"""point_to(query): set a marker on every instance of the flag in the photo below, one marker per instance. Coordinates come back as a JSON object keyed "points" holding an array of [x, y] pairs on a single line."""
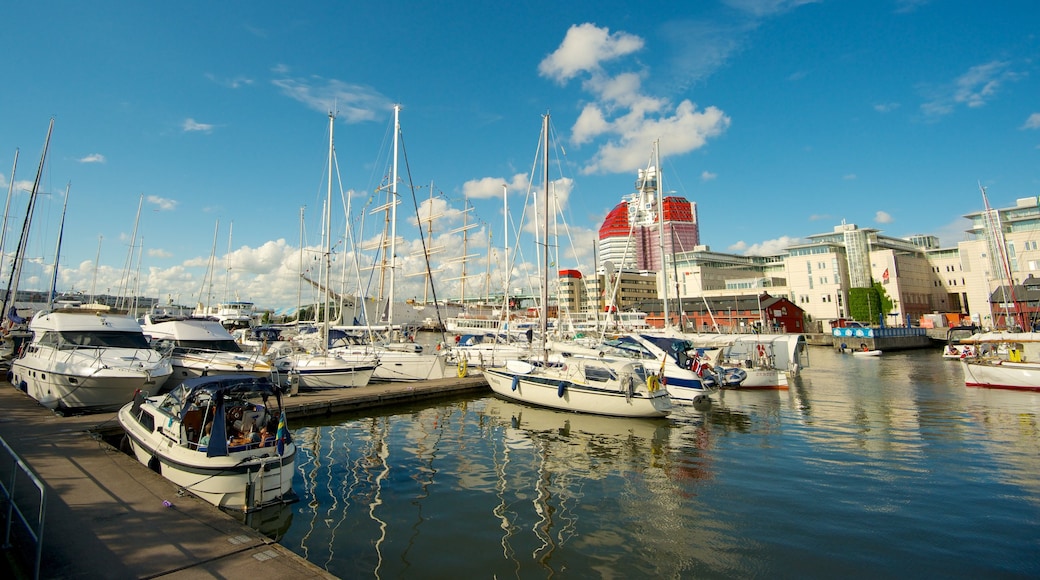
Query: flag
{"points": [[282, 435], [884, 277]]}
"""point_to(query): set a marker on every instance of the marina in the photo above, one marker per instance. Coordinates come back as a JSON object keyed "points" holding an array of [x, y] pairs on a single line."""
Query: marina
{"points": [[863, 467]]}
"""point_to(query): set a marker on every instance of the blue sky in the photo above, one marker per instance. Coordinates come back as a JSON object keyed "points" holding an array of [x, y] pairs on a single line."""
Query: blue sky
{"points": [[780, 118]]}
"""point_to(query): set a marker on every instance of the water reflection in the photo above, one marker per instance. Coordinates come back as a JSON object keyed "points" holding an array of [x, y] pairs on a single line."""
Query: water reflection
{"points": [[878, 466]]}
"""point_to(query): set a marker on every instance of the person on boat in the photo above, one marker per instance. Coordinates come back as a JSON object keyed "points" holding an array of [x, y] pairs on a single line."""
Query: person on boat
{"points": [[843, 347], [204, 440], [863, 346]]}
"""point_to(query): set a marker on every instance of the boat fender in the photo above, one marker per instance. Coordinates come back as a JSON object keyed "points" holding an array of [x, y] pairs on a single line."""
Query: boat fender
{"points": [[653, 383], [561, 389], [463, 371], [516, 381], [23, 386]]}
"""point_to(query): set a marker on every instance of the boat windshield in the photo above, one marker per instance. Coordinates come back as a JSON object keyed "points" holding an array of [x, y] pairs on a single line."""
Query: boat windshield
{"points": [[70, 339], [220, 345]]}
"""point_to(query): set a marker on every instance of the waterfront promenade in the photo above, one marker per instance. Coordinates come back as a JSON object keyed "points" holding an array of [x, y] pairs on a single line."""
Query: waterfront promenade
{"points": [[106, 514]]}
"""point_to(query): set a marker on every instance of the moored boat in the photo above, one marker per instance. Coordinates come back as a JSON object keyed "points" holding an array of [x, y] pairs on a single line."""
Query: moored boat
{"points": [[87, 360], [1003, 360], [597, 385], [223, 438], [198, 347]]}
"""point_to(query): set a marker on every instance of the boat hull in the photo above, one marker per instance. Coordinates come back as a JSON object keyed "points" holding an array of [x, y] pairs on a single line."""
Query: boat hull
{"points": [[545, 391], [1021, 376], [249, 479], [83, 382]]}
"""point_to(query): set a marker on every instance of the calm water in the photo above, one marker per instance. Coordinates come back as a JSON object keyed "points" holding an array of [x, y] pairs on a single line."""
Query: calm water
{"points": [[863, 468]]}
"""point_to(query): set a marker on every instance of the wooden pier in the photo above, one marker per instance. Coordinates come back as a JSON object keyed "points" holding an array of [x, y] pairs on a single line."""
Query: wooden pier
{"points": [[109, 516]]}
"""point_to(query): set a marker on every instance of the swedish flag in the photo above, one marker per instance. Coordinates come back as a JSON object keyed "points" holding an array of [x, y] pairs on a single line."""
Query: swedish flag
{"points": [[282, 435]]}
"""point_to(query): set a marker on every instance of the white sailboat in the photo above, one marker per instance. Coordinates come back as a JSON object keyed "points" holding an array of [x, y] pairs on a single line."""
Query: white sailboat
{"points": [[318, 367], [572, 380], [399, 360]]}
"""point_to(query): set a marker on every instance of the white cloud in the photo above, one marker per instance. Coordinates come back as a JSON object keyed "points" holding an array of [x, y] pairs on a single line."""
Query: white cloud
{"points": [[491, 187], [161, 203], [766, 248], [886, 107], [591, 123], [760, 8], [883, 217], [354, 103], [685, 130], [819, 216], [93, 158], [190, 125], [621, 113], [584, 48], [1033, 122], [231, 83], [972, 89], [849, 177], [708, 176], [159, 253]]}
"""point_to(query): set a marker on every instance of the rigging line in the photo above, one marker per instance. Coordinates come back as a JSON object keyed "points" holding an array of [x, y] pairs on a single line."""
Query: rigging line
{"points": [[422, 238]]}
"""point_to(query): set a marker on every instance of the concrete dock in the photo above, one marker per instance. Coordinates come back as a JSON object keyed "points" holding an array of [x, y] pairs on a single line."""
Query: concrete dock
{"points": [[106, 514]]}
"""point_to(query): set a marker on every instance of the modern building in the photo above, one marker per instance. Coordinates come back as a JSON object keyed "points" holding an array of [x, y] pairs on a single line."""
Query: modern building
{"points": [[632, 238]]}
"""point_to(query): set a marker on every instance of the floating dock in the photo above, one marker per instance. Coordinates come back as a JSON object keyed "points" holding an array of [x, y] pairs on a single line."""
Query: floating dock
{"points": [[107, 515]]}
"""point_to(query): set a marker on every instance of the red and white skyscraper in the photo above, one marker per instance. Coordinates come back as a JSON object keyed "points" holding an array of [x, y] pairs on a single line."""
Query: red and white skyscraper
{"points": [[630, 238]]}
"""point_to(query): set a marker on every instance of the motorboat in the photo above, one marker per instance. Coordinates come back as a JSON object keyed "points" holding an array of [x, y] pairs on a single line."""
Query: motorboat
{"points": [[587, 384], [87, 360], [955, 348], [222, 438], [198, 347]]}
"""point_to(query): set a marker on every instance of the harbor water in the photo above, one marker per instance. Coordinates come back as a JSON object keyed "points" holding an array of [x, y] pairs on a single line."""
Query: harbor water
{"points": [[865, 467]]}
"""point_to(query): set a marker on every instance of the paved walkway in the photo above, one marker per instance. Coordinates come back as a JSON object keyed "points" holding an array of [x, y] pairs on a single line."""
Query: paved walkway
{"points": [[106, 516]]}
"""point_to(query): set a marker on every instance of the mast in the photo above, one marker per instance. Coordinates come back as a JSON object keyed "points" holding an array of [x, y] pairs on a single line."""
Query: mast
{"points": [[93, 279], [122, 301], [393, 214], [543, 320], [660, 228], [57, 250], [993, 217], [505, 240], [203, 310], [7, 208], [10, 299], [328, 237]]}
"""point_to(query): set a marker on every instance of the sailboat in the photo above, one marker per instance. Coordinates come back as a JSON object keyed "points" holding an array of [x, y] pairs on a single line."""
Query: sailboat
{"points": [[399, 360], [317, 367], [573, 380], [1007, 359]]}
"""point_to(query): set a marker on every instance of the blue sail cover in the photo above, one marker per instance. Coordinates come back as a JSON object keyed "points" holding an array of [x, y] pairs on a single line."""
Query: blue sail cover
{"points": [[12, 315]]}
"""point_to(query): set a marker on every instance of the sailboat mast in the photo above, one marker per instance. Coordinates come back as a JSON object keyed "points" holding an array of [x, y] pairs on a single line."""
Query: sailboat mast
{"points": [[7, 208], [1005, 264], [328, 236], [660, 229], [123, 300], [57, 249], [10, 299], [393, 220], [543, 316], [505, 240]]}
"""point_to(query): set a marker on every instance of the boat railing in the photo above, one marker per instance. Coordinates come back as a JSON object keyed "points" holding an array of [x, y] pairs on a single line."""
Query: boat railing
{"points": [[22, 505], [102, 356]]}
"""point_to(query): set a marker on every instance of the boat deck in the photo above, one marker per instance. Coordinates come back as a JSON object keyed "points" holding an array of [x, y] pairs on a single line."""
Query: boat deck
{"points": [[106, 513]]}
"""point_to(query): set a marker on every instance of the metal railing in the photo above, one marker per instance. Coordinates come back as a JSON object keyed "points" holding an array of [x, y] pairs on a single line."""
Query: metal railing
{"points": [[22, 503]]}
